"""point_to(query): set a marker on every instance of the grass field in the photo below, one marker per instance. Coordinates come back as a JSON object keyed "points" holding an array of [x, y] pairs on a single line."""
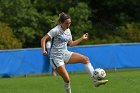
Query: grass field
{"points": [[119, 82]]}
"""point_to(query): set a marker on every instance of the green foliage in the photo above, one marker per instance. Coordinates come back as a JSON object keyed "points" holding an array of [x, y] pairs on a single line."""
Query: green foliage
{"points": [[116, 11], [123, 34], [28, 24], [106, 21], [21, 16], [130, 32], [80, 22], [7, 39]]}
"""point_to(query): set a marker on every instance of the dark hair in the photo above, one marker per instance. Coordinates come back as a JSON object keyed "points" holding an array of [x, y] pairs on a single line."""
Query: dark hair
{"points": [[63, 17]]}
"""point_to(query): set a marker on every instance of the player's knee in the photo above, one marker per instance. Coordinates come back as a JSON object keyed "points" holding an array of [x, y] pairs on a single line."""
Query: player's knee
{"points": [[86, 60]]}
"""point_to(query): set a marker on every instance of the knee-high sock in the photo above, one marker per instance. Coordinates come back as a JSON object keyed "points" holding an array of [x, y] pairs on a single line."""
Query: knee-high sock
{"points": [[89, 69], [67, 87]]}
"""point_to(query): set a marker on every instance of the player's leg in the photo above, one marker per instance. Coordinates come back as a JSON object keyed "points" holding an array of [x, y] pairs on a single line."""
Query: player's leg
{"points": [[78, 58], [59, 66], [54, 72], [64, 74]]}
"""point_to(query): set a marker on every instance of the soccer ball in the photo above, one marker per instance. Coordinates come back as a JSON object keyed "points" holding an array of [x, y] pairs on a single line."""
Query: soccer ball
{"points": [[99, 74]]}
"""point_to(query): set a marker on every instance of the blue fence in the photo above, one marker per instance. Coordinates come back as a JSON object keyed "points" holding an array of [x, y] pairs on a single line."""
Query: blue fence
{"points": [[30, 61]]}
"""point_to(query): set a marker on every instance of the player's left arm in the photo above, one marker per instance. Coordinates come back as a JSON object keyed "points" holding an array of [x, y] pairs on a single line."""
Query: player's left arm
{"points": [[76, 42]]}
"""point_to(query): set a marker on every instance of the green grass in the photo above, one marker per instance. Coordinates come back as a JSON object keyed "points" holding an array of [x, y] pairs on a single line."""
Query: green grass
{"points": [[119, 82]]}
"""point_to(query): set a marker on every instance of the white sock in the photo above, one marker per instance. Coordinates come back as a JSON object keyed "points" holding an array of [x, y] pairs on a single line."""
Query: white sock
{"points": [[67, 87], [89, 69]]}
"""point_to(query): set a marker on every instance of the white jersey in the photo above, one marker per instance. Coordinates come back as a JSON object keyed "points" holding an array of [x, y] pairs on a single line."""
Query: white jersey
{"points": [[48, 46], [59, 41]]}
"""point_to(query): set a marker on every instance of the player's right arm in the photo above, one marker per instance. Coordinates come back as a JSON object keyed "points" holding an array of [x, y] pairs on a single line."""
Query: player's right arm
{"points": [[52, 33], [43, 43]]}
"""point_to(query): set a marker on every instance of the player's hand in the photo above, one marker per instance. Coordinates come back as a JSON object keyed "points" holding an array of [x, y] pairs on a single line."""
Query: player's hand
{"points": [[45, 53], [85, 36]]}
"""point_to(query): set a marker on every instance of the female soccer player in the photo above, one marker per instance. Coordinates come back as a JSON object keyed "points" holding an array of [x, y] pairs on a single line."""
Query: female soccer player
{"points": [[59, 55]]}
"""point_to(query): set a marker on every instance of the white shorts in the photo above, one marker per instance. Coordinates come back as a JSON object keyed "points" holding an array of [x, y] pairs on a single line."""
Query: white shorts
{"points": [[57, 62]]}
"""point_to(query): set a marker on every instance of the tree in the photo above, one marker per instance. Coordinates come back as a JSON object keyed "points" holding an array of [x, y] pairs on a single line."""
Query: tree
{"points": [[7, 38], [27, 22], [130, 32], [31, 19], [80, 19]]}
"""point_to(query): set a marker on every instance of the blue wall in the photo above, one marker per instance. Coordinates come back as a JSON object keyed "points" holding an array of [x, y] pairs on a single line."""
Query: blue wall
{"points": [[29, 61]]}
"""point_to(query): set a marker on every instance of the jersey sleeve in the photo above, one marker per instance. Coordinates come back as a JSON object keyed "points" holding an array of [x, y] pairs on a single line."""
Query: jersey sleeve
{"points": [[70, 36], [52, 33]]}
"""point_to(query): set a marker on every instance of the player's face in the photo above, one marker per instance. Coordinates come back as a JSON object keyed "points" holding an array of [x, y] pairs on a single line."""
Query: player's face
{"points": [[66, 24]]}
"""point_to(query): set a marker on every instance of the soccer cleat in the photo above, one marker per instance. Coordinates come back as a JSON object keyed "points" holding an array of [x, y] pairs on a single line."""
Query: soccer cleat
{"points": [[97, 83]]}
